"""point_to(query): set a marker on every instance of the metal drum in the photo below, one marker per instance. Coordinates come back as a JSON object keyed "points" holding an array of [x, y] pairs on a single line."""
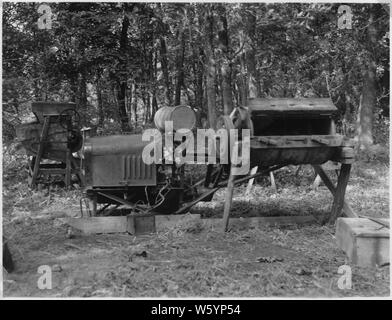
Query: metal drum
{"points": [[183, 117]]}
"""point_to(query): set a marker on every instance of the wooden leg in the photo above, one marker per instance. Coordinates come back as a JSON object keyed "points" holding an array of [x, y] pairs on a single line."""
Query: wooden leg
{"points": [[298, 170], [68, 169], [40, 151], [228, 201], [349, 212], [207, 180], [316, 182], [31, 163], [93, 204], [273, 184], [338, 200], [251, 181], [78, 170]]}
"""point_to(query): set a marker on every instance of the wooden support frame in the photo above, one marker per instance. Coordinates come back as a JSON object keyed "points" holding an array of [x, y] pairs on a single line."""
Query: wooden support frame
{"points": [[230, 189], [93, 203], [228, 200], [42, 140], [338, 201], [338, 192], [273, 183], [251, 181], [348, 211], [68, 169]]}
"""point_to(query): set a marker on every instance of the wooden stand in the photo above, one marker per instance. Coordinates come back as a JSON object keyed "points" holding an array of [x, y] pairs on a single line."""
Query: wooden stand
{"points": [[338, 192], [251, 181], [41, 169]]}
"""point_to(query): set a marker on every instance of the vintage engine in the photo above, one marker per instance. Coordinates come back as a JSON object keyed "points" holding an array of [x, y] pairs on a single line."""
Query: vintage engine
{"points": [[115, 173], [283, 132]]}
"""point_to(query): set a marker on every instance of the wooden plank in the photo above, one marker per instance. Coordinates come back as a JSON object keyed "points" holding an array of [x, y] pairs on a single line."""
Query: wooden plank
{"points": [[316, 182], [164, 222], [99, 224], [40, 150], [273, 184], [294, 105], [141, 224], [261, 221], [349, 212], [68, 169], [364, 241], [228, 201], [132, 224], [251, 181], [338, 201]]}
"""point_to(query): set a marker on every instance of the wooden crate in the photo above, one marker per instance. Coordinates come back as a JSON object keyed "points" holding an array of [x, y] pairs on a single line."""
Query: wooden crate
{"points": [[365, 242]]}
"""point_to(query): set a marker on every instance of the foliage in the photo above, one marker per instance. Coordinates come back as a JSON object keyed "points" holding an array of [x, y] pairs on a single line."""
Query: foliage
{"points": [[124, 60]]}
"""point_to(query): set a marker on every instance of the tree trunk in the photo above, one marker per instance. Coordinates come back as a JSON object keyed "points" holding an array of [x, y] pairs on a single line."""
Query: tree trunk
{"points": [[121, 94], [101, 114], [210, 70], [82, 93], [254, 88], [369, 91], [154, 106], [199, 82], [366, 107], [227, 96], [165, 71], [154, 102], [134, 103], [242, 82], [180, 69], [122, 82]]}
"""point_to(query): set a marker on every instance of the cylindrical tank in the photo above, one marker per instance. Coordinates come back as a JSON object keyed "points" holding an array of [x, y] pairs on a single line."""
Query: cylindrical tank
{"points": [[183, 117]]}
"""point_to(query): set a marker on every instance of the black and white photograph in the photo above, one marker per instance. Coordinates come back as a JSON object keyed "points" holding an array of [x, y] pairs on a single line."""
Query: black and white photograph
{"points": [[192, 150]]}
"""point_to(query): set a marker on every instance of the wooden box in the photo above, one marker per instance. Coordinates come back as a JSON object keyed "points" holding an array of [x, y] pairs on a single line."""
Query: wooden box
{"points": [[365, 242]]}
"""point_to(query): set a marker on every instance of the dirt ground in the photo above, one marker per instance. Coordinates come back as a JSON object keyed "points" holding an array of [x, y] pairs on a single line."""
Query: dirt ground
{"points": [[194, 260]]}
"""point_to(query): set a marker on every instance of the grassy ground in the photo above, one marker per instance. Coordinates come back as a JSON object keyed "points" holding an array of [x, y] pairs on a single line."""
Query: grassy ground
{"points": [[194, 260]]}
